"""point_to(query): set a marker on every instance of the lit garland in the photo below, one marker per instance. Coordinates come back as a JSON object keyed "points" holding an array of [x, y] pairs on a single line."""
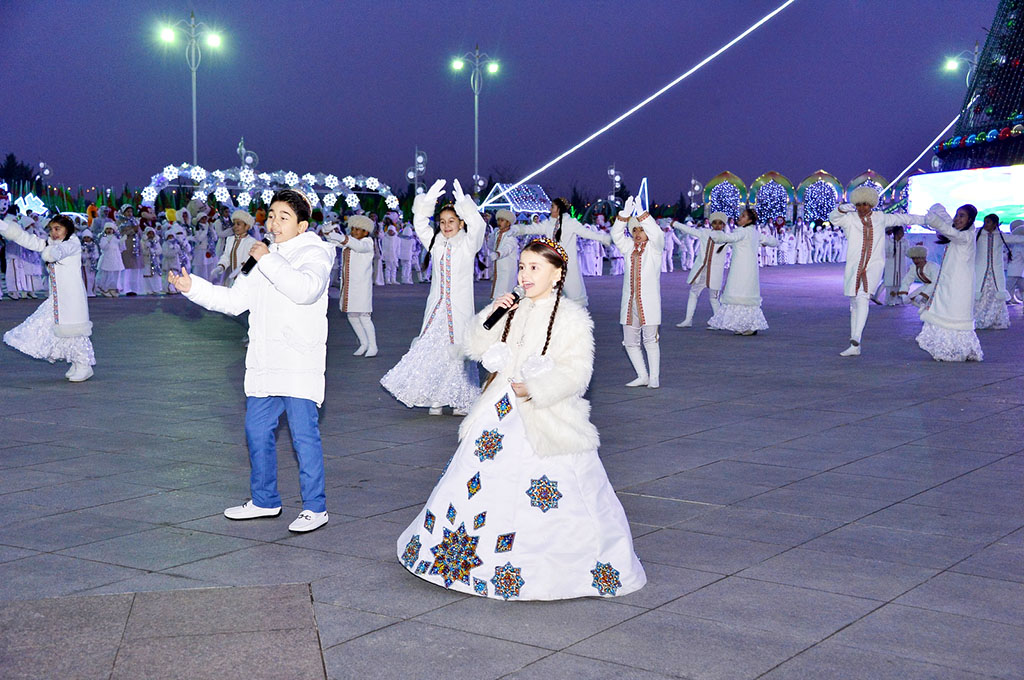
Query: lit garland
{"points": [[725, 198], [772, 199], [820, 199]]}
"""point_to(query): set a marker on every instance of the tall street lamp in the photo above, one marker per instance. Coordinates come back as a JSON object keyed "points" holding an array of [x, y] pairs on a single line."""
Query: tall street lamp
{"points": [[952, 64], [193, 55], [418, 169], [478, 62]]}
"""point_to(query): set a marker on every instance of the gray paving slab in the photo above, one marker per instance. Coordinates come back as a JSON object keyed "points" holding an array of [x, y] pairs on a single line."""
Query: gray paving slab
{"points": [[69, 529], [832, 660], [341, 624], [759, 525], [563, 665], [46, 575], [995, 561], [704, 552], [897, 545]]}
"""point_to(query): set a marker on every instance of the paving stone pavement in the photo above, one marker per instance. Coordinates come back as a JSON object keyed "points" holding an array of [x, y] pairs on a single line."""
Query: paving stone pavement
{"points": [[800, 515]]}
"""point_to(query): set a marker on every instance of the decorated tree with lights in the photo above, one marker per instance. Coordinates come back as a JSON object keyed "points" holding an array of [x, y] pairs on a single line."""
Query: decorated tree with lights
{"points": [[725, 198], [771, 201], [991, 127], [820, 200]]}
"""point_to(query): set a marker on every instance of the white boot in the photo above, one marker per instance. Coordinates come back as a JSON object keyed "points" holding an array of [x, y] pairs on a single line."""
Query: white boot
{"points": [[71, 369], [852, 351], [654, 364], [357, 326], [80, 372], [636, 357], [370, 333]]}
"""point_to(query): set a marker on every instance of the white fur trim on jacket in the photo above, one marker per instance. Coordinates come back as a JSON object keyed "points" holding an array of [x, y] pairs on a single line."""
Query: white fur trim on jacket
{"points": [[556, 416]]}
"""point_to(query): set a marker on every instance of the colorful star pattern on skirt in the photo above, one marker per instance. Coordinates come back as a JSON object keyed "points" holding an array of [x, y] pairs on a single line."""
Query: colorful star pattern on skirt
{"points": [[504, 542], [503, 407], [488, 444], [479, 520], [543, 493], [455, 555], [428, 521], [412, 552], [480, 586], [451, 514], [422, 567], [507, 581], [473, 485], [446, 467], [606, 579]]}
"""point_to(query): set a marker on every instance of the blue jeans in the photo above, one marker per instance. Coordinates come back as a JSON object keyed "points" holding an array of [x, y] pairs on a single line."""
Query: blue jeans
{"points": [[261, 417]]}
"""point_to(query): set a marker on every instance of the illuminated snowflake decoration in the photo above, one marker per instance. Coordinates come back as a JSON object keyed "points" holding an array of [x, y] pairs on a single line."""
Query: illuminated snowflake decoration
{"points": [[772, 199], [488, 444], [606, 579], [222, 195], [267, 195], [820, 199], [243, 199], [246, 176], [330, 200], [198, 174], [455, 556], [265, 176], [331, 182], [291, 179], [352, 201], [349, 181], [412, 552], [199, 195], [508, 581], [309, 178], [372, 183], [149, 195], [544, 494], [725, 198], [218, 175], [392, 202], [171, 173]]}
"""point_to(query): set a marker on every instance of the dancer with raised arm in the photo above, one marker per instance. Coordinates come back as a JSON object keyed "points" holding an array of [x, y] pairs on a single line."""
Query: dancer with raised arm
{"points": [[708, 265], [740, 308]]}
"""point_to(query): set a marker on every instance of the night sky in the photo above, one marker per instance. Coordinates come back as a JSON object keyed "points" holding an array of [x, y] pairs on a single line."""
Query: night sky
{"points": [[352, 87]]}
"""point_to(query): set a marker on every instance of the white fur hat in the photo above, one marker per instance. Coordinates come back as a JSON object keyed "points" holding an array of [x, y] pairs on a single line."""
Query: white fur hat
{"points": [[504, 214], [864, 194], [721, 216], [84, 233], [917, 251], [1015, 225], [360, 222], [242, 215]]}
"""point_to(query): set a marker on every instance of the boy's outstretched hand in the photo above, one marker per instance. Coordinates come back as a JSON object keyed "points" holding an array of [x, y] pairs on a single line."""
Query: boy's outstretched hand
{"points": [[182, 282]]}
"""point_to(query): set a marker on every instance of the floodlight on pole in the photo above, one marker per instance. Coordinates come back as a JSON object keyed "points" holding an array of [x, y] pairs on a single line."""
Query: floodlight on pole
{"points": [[479, 62]]}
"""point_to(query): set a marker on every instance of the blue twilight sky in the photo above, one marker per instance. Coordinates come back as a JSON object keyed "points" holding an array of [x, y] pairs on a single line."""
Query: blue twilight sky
{"points": [[352, 87]]}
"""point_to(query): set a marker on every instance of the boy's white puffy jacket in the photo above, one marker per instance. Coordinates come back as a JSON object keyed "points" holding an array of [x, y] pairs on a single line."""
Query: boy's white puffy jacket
{"points": [[286, 296]]}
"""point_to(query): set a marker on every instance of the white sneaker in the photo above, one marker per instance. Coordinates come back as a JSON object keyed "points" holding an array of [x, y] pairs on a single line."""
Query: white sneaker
{"points": [[80, 372], [460, 412], [851, 351], [638, 382], [71, 369], [249, 510], [435, 410], [308, 520], [684, 324]]}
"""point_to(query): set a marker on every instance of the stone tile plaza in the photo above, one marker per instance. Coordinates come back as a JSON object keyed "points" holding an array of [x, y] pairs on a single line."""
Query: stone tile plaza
{"points": [[799, 515]]}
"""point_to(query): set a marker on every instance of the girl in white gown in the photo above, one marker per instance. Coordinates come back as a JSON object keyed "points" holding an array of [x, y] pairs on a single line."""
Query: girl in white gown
{"points": [[434, 372], [740, 308], [524, 509]]}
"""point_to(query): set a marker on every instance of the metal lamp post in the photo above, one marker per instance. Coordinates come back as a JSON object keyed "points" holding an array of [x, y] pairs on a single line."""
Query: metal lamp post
{"points": [[478, 62], [193, 55], [415, 173]]}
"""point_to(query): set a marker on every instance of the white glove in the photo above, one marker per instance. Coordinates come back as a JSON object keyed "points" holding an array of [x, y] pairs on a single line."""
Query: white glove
{"points": [[424, 204], [465, 206], [628, 208]]}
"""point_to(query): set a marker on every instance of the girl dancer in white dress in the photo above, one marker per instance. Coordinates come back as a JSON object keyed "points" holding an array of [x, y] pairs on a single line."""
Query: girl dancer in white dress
{"points": [[524, 509], [433, 372], [60, 328], [948, 331], [564, 228], [640, 309], [356, 298], [990, 294], [740, 309]]}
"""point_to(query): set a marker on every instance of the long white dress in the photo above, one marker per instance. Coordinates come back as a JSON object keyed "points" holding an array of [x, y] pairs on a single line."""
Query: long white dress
{"points": [[506, 522], [433, 371], [571, 231], [990, 293], [948, 331], [740, 311]]}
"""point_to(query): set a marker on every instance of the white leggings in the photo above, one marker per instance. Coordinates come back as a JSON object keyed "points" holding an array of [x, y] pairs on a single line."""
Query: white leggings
{"points": [[632, 335], [858, 315]]}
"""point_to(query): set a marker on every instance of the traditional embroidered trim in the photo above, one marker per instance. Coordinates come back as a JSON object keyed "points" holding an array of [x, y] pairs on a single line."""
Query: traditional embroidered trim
{"points": [[344, 279]]}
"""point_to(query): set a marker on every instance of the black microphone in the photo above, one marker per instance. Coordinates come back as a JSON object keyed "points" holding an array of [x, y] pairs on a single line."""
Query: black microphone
{"points": [[495, 317], [251, 262]]}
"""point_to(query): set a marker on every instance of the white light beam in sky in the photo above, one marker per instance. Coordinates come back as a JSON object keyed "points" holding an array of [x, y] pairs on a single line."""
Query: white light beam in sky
{"points": [[642, 104]]}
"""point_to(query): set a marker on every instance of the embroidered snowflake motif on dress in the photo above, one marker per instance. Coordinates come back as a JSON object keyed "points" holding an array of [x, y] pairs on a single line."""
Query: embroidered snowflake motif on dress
{"points": [[488, 444], [507, 581], [606, 579], [473, 485], [544, 493], [480, 586], [428, 521], [479, 520], [451, 514], [422, 567], [455, 555], [412, 551], [503, 407], [504, 542]]}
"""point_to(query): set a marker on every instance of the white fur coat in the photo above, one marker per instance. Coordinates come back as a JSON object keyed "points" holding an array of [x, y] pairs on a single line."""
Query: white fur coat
{"points": [[556, 416]]}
